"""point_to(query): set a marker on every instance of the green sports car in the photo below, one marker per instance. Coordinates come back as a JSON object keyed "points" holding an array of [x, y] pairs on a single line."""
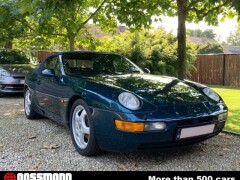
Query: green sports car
{"points": [[109, 103]]}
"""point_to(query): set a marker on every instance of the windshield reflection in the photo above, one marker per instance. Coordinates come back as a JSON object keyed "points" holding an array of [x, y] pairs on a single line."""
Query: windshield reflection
{"points": [[106, 64], [159, 90]]}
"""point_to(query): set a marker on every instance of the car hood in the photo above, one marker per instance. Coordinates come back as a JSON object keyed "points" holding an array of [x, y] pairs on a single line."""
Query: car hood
{"points": [[18, 69], [159, 90]]}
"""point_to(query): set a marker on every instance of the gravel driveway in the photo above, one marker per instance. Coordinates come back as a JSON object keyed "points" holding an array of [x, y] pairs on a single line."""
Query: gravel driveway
{"points": [[33, 145]]}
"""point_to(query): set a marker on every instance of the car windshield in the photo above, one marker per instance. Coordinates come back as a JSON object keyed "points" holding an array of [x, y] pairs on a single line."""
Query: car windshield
{"points": [[87, 64]]}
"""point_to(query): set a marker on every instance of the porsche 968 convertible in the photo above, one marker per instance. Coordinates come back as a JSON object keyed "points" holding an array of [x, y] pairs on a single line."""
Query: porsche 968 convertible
{"points": [[109, 103]]}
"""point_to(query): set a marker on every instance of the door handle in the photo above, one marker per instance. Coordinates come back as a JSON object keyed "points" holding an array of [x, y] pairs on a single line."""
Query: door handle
{"points": [[38, 82]]}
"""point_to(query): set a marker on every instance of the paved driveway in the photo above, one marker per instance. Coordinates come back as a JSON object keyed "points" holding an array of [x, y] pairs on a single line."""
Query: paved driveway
{"points": [[30, 145]]}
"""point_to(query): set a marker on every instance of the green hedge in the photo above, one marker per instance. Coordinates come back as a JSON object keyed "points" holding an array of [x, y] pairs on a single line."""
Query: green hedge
{"points": [[154, 50], [13, 57]]}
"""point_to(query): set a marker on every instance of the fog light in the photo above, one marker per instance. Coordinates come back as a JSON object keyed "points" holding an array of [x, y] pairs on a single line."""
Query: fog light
{"points": [[223, 116], [155, 126], [129, 126]]}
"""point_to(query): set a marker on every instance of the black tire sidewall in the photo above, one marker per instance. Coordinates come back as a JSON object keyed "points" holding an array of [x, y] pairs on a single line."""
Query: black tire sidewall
{"points": [[92, 147]]}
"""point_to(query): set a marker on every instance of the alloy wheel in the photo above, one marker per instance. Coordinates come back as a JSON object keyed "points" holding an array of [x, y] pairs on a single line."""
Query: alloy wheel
{"points": [[80, 127]]}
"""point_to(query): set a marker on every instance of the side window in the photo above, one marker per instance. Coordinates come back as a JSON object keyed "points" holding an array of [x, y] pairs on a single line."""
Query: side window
{"points": [[50, 63], [57, 69]]}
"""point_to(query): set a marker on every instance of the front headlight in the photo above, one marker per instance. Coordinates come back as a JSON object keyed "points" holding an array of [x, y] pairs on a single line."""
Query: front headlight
{"points": [[4, 73], [129, 100], [210, 93]]}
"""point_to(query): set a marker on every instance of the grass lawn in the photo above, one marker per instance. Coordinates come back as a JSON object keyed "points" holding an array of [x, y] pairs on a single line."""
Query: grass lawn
{"points": [[231, 97]]}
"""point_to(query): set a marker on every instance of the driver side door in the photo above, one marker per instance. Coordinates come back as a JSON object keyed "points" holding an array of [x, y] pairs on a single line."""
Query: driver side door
{"points": [[47, 88]]}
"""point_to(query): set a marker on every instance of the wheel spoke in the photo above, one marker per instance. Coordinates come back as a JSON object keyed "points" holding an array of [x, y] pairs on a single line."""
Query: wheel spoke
{"points": [[82, 116], [85, 129]]}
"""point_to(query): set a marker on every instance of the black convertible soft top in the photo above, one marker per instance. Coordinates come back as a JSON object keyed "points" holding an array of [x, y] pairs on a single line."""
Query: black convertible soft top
{"points": [[79, 52]]}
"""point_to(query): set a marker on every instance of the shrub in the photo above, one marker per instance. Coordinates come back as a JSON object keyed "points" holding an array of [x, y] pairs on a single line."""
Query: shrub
{"points": [[154, 50], [13, 57]]}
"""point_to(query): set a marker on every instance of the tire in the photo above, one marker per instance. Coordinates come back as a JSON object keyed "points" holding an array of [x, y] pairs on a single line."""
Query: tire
{"points": [[82, 129], [28, 108]]}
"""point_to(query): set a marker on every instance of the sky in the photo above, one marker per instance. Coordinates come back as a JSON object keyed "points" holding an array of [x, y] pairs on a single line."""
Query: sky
{"points": [[222, 31]]}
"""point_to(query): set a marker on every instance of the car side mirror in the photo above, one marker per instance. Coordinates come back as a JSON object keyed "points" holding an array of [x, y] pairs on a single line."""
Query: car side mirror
{"points": [[146, 70], [48, 72]]}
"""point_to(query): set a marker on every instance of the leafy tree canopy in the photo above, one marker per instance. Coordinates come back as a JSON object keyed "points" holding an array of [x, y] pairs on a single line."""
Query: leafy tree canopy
{"points": [[208, 33], [11, 22], [194, 11], [236, 5], [68, 19], [234, 37]]}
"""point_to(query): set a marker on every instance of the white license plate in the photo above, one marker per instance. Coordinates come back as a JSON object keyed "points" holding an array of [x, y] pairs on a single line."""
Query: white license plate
{"points": [[196, 131]]}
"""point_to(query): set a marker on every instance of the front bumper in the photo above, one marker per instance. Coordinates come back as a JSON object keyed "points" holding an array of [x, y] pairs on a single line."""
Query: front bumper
{"points": [[11, 85], [111, 139]]}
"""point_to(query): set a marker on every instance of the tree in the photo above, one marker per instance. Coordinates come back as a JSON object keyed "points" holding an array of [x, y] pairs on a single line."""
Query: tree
{"points": [[234, 37], [68, 19], [64, 18], [210, 48], [208, 33], [194, 11], [137, 53], [154, 50], [11, 23], [236, 5]]}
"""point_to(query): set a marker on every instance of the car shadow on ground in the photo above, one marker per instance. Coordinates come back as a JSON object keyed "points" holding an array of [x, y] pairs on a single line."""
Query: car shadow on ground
{"points": [[12, 96], [159, 155]]}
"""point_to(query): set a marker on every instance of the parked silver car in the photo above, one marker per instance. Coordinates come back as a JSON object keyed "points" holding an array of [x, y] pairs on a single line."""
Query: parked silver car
{"points": [[14, 66]]}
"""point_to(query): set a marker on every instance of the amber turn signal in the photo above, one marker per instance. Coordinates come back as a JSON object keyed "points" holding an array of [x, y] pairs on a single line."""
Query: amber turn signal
{"points": [[129, 126]]}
